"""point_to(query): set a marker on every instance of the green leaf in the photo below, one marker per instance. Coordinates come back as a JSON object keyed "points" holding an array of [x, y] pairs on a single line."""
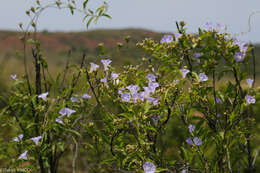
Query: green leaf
{"points": [[89, 21], [73, 132], [85, 4], [106, 15]]}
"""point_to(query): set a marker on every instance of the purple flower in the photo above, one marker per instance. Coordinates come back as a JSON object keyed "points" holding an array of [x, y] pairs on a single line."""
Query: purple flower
{"points": [[195, 141], [133, 89], [86, 96], [93, 67], [14, 76], [152, 86], [166, 39], [104, 80], [43, 96], [184, 72], [120, 91], [149, 167], [250, 100], [58, 120], [135, 97], [191, 128], [189, 141], [146, 93], [66, 111], [239, 56], [114, 76], [152, 100], [23, 155], [218, 100], [197, 55], [106, 63], [20, 137], [74, 99], [125, 97], [242, 46], [203, 77], [250, 82], [36, 139], [151, 77]]}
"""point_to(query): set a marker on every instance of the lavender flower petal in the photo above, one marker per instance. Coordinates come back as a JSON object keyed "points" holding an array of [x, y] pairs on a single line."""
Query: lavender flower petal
{"points": [[14, 76], [93, 67], [74, 99], [149, 167], [43, 96], [86, 96], [106, 63], [36, 139], [250, 99], [191, 128], [151, 77], [23, 155], [125, 97], [197, 141], [166, 39], [239, 56], [184, 72], [250, 82], [203, 77]]}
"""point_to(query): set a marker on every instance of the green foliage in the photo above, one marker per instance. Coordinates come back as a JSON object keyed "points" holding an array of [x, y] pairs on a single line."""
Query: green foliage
{"points": [[126, 120]]}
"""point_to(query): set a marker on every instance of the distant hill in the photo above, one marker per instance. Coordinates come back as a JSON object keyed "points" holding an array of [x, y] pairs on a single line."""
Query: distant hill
{"points": [[55, 46]]}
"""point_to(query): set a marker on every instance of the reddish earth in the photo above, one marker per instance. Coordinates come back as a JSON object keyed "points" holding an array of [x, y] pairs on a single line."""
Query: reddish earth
{"points": [[59, 41]]}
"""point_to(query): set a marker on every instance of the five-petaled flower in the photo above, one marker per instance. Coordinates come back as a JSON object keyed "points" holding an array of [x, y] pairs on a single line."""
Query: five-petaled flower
{"points": [[93, 67], [66, 111], [195, 141], [103, 80], [36, 139], [43, 96], [203, 77], [184, 72], [197, 55], [250, 99], [242, 46], [166, 39], [151, 77], [239, 56], [219, 100], [20, 137], [126, 97], [133, 89], [191, 128], [14, 76], [86, 96], [149, 167], [74, 99], [250, 82], [23, 155], [106, 63], [114, 76]]}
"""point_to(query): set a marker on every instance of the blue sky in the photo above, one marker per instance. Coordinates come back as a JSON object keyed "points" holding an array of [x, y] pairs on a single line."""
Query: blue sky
{"points": [[157, 15]]}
